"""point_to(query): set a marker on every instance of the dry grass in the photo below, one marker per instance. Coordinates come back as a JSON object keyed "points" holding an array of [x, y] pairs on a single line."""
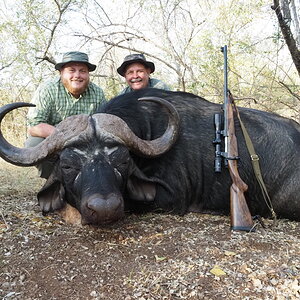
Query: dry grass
{"points": [[141, 257]]}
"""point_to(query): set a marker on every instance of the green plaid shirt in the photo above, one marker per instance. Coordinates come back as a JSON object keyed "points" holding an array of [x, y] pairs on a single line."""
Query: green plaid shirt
{"points": [[153, 83], [54, 103]]}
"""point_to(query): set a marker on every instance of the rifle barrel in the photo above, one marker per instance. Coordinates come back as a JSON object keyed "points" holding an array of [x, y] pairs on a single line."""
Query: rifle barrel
{"points": [[225, 129]]}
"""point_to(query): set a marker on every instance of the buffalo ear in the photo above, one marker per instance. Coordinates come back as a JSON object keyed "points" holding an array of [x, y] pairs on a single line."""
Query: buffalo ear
{"points": [[140, 187], [51, 196], [140, 190]]}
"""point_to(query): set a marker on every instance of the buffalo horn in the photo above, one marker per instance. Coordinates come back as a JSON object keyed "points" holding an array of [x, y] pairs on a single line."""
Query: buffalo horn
{"points": [[68, 130], [115, 127]]}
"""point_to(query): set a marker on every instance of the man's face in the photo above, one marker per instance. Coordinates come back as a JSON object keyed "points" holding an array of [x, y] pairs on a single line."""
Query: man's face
{"points": [[75, 77], [137, 76]]}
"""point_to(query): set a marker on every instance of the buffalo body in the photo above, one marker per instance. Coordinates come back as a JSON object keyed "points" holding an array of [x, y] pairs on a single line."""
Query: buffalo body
{"points": [[99, 174]]}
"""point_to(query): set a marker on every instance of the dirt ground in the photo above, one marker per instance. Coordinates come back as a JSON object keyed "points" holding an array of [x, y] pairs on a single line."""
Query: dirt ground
{"points": [[142, 257]]}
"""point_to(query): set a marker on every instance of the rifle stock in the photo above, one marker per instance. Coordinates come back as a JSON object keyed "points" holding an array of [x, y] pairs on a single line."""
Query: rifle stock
{"points": [[241, 218]]}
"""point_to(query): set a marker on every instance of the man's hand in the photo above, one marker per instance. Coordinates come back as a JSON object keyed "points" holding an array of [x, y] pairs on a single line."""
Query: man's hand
{"points": [[41, 130]]}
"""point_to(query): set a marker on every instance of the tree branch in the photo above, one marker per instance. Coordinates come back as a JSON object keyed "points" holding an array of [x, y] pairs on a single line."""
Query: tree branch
{"points": [[290, 91], [61, 11]]}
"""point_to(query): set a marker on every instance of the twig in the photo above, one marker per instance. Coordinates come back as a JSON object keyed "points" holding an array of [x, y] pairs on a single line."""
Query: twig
{"points": [[7, 226]]}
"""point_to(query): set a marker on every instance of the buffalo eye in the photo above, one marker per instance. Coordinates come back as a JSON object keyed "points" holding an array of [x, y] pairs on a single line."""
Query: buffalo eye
{"points": [[121, 164], [119, 157], [71, 161], [67, 168], [70, 169]]}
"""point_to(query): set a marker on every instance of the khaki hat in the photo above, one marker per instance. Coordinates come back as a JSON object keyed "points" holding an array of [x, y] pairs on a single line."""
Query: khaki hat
{"points": [[132, 58], [75, 56]]}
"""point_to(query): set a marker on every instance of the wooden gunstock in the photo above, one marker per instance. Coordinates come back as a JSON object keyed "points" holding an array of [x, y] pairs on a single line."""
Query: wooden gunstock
{"points": [[240, 216]]}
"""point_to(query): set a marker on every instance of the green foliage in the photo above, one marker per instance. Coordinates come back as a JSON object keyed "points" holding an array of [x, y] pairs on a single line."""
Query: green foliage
{"points": [[182, 37]]}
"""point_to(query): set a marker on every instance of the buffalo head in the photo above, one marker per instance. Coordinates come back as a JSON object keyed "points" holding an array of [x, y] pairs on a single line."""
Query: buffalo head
{"points": [[93, 162]]}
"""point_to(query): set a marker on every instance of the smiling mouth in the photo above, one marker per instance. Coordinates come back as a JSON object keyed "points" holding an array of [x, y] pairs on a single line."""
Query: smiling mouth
{"points": [[136, 80]]}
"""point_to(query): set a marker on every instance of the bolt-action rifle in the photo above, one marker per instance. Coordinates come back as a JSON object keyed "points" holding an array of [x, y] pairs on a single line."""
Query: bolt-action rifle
{"points": [[241, 218]]}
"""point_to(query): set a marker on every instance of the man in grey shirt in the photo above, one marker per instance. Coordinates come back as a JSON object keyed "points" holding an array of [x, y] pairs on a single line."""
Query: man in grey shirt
{"points": [[136, 70]]}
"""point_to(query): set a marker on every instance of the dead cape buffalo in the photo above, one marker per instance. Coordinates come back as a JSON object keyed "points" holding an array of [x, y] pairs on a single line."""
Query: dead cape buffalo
{"points": [[158, 154]]}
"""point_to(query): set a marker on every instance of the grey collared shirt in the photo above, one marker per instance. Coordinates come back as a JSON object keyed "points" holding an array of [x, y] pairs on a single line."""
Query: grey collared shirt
{"points": [[153, 83]]}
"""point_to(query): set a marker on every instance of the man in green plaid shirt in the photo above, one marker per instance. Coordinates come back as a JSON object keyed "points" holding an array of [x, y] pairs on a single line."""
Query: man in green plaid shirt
{"points": [[69, 94]]}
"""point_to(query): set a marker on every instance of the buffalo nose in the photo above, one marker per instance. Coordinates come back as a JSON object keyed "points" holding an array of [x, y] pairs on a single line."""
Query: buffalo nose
{"points": [[105, 207], [98, 210]]}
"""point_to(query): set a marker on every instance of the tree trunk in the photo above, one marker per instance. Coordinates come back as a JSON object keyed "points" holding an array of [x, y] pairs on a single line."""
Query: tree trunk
{"points": [[284, 24]]}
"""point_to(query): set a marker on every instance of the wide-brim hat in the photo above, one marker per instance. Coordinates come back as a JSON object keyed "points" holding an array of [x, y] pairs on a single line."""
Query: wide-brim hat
{"points": [[75, 56], [135, 58]]}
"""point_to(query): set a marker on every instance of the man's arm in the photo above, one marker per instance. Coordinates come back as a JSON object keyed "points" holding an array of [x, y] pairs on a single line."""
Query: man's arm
{"points": [[38, 117], [41, 130]]}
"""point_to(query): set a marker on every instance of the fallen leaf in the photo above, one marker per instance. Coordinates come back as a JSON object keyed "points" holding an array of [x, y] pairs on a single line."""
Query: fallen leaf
{"points": [[36, 219], [159, 258], [217, 271], [229, 253]]}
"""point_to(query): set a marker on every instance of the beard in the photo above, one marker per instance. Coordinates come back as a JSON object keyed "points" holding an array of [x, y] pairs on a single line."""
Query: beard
{"points": [[75, 87]]}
